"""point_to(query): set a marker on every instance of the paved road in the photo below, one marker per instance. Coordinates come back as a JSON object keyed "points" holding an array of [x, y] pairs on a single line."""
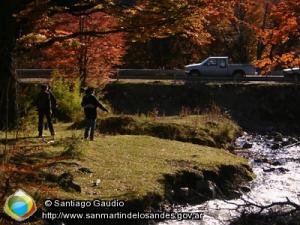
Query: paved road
{"points": [[157, 74]]}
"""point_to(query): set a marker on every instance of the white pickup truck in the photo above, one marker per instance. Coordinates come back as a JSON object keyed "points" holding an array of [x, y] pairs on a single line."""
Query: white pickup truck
{"points": [[219, 67]]}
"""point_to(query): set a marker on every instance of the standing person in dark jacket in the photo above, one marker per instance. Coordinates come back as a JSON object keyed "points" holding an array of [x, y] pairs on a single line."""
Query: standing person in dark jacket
{"points": [[53, 106], [90, 104], [44, 105]]}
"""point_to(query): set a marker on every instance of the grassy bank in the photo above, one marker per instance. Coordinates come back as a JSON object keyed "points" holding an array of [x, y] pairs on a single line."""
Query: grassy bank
{"points": [[211, 129], [130, 167], [124, 167]]}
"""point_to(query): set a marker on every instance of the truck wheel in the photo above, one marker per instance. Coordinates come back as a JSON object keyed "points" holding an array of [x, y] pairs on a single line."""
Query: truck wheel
{"points": [[238, 75], [195, 73]]}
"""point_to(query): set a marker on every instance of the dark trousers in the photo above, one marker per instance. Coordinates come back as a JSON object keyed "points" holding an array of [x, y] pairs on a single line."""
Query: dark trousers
{"points": [[90, 125], [42, 114], [53, 119]]}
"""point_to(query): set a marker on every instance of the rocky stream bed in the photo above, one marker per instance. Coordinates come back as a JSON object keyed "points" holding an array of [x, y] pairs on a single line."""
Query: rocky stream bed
{"points": [[275, 160]]}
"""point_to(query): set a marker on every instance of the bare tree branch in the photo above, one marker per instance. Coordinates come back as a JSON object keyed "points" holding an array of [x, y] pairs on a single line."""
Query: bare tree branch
{"points": [[261, 208], [120, 29]]}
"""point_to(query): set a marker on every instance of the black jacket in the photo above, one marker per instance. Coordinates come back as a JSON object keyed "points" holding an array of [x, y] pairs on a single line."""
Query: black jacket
{"points": [[90, 104], [45, 101]]}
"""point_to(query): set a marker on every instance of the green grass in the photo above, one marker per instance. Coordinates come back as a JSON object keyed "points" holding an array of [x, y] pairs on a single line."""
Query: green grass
{"points": [[211, 129], [128, 166], [132, 166]]}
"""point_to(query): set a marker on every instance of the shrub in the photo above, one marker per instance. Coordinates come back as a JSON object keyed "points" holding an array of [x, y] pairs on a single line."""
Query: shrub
{"points": [[67, 94], [27, 111], [26, 124]]}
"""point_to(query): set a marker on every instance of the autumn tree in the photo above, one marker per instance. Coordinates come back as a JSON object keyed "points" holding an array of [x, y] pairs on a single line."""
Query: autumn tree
{"points": [[225, 27], [17, 20], [262, 32], [171, 46], [265, 32], [141, 21], [169, 53], [281, 36], [88, 57]]}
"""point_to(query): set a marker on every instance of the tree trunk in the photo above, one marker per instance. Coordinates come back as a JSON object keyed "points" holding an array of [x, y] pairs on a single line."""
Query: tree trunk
{"points": [[7, 79], [83, 57], [242, 34], [260, 45]]}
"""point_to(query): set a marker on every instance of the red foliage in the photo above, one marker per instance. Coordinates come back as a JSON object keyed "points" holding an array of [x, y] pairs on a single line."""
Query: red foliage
{"points": [[282, 35], [102, 53]]}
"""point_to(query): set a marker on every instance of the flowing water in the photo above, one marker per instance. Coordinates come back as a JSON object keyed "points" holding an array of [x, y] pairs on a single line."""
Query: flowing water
{"points": [[278, 177]]}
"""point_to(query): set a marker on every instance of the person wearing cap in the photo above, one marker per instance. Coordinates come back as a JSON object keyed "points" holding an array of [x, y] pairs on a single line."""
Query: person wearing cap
{"points": [[90, 105], [44, 106]]}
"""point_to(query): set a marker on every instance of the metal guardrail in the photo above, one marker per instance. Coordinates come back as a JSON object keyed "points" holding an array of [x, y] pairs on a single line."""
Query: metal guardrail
{"points": [[179, 75], [149, 72], [33, 75]]}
